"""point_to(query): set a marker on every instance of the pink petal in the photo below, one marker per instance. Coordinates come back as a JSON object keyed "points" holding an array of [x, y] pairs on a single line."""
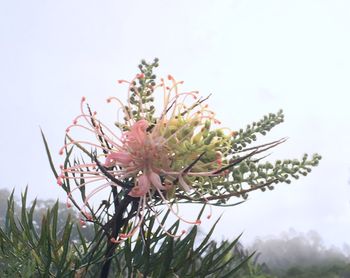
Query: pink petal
{"points": [[119, 158], [138, 131], [156, 181], [141, 188]]}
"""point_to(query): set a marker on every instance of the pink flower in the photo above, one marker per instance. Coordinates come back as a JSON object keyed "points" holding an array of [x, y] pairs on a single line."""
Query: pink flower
{"points": [[176, 152]]}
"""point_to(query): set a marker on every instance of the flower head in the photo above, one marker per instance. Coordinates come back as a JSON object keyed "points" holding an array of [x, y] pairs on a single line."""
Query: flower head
{"points": [[148, 155]]}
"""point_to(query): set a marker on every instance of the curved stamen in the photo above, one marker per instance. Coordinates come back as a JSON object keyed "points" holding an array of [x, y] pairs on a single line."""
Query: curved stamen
{"points": [[73, 142], [166, 202], [96, 130], [70, 195], [93, 192]]}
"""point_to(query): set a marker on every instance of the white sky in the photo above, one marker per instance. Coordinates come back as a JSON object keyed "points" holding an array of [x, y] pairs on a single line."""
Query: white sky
{"points": [[254, 56]]}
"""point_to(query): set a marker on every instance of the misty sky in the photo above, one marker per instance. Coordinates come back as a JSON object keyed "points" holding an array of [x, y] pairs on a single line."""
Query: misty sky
{"points": [[255, 57]]}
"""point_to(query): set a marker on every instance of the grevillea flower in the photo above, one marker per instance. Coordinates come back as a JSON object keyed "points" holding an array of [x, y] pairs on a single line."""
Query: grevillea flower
{"points": [[175, 152]]}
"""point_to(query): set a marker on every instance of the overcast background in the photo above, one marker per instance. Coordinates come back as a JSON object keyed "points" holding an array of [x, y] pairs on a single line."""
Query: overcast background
{"points": [[254, 56]]}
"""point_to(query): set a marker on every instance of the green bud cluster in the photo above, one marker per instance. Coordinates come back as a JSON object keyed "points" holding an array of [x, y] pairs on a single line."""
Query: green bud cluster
{"points": [[247, 136], [250, 175], [142, 92], [189, 143]]}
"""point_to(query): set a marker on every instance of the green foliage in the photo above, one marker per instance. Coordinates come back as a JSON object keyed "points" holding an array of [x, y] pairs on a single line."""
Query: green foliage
{"points": [[339, 270], [26, 251], [157, 255], [49, 250]]}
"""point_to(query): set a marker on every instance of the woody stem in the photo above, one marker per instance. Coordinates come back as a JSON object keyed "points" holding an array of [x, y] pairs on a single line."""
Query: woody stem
{"points": [[117, 222]]}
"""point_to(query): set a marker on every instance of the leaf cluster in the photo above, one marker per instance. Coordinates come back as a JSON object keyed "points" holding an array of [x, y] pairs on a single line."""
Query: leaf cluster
{"points": [[50, 251], [154, 254], [25, 251]]}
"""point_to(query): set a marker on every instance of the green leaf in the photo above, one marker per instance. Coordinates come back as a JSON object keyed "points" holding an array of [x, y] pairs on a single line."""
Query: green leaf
{"points": [[167, 258], [49, 154]]}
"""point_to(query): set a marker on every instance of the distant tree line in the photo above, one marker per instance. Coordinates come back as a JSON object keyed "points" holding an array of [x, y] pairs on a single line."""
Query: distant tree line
{"points": [[40, 210], [295, 254]]}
